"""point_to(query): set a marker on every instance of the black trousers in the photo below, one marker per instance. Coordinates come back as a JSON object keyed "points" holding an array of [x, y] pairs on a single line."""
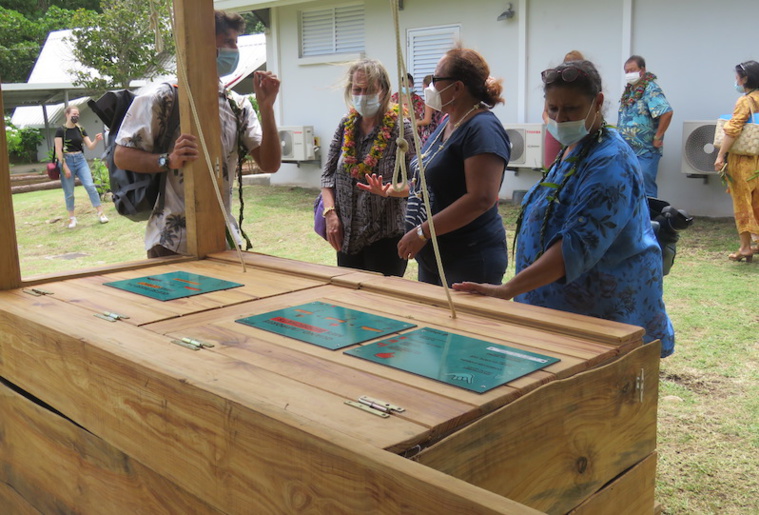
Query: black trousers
{"points": [[381, 256]]}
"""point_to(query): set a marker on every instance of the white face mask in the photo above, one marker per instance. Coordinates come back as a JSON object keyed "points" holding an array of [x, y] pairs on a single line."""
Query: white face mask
{"points": [[569, 133], [433, 99], [366, 105], [632, 77]]}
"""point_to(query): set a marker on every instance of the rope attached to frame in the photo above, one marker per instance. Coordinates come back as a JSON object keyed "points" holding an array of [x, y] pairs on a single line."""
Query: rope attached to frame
{"points": [[404, 94]]}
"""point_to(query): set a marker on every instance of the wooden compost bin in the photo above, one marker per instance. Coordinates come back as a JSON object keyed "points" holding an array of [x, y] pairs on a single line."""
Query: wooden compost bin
{"points": [[111, 417]]}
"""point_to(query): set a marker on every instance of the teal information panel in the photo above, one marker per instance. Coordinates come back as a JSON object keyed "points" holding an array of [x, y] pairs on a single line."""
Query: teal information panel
{"points": [[458, 360], [173, 285], [326, 325]]}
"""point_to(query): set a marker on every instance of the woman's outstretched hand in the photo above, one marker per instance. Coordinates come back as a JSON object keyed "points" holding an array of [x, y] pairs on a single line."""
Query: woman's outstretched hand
{"points": [[375, 184], [491, 290]]}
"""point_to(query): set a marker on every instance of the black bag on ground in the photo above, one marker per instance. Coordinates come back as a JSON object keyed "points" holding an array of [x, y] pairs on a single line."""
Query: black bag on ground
{"points": [[134, 194], [666, 221]]}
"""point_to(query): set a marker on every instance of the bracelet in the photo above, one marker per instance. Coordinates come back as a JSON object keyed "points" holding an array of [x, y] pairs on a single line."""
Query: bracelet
{"points": [[328, 210], [420, 233], [658, 138]]}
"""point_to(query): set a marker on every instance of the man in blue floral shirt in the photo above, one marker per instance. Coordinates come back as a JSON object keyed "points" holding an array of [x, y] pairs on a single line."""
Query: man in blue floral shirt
{"points": [[644, 116]]}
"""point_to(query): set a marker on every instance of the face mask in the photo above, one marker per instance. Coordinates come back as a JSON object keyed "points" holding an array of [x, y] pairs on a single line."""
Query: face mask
{"points": [[739, 88], [74, 119], [226, 61], [407, 91], [632, 77], [569, 133], [433, 99], [366, 105]]}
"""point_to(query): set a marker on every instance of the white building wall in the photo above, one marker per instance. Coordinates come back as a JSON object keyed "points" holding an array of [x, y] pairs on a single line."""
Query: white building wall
{"points": [[692, 57]]}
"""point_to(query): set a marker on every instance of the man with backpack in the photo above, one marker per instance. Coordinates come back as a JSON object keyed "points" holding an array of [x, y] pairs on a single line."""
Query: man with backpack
{"points": [[148, 119]]}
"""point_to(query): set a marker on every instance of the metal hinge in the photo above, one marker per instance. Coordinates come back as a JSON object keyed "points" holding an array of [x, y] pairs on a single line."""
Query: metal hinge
{"points": [[110, 316], [193, 344], [37, 292], [375, 407]]}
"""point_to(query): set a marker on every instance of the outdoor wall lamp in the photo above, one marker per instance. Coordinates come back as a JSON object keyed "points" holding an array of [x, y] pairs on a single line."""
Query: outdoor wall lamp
{"points": [[507, 14]]}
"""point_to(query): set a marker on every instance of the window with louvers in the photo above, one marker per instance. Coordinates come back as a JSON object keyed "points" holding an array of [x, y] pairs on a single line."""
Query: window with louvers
{"points": [[336, 30]]}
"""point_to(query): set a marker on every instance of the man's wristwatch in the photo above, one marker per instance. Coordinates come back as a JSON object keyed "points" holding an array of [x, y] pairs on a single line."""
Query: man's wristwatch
{"points": [[420, 233], [163, 162]]}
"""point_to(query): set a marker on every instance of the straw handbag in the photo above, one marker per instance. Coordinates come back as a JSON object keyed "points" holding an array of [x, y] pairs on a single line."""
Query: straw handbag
{"points": [[747, 143]]}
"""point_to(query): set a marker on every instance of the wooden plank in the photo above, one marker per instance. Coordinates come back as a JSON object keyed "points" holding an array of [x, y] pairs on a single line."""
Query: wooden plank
{"points": [[10, 271], [59, 467], [132, 351], [559, 444], [13, 503], [100, 270], [632, 493], [204, 422], [284, 265], [540, 318], [196, 53]]}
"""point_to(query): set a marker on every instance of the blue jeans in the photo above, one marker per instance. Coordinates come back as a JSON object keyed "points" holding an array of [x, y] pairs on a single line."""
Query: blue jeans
{"points": [[649, 165], [79, 168], [479, 265]]}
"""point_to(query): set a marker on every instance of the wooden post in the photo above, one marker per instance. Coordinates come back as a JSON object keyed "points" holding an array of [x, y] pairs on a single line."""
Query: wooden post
{"points": [[196, 49], [10, 272]]}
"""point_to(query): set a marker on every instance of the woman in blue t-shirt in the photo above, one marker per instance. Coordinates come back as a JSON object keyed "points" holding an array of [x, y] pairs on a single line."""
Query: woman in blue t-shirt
{"points": [[464, 161], [70, 139], [584, 239]]}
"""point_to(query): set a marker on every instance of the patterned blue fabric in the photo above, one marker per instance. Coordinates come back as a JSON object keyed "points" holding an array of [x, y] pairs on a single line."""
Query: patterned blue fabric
{"points": [[638, 122], [613, 262]]}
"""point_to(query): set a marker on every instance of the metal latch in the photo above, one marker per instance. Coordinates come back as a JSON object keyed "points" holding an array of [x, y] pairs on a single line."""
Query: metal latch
{"points": [[375, 407], [640, 384], [37, 292], [110, 316]]}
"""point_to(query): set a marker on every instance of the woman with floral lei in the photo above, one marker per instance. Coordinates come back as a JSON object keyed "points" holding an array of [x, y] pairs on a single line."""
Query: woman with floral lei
{"points": [[363, 228], [584, 237]]}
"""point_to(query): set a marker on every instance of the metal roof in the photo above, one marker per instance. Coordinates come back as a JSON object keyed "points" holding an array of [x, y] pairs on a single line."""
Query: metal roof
{"points": [[50, 83]]}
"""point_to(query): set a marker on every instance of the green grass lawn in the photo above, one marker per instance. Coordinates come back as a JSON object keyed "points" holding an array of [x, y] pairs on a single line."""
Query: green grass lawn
{"points": [[709, 391]]}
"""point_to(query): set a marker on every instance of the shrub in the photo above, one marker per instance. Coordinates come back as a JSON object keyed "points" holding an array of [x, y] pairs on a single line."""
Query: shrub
{"points": [[22, 143]]}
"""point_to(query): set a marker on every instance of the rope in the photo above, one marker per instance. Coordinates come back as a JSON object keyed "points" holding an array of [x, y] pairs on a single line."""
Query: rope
{"points": [[185, 87], [400, 154]]}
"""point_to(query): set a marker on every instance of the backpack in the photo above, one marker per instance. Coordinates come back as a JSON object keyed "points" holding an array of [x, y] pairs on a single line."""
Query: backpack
{"points": [[134, 194]]}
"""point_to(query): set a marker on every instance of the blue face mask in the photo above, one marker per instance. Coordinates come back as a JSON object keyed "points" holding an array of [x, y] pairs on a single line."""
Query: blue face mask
{"points": [[406, 91], [569, 133], [227, 60], [366, 105], [739, 88]]}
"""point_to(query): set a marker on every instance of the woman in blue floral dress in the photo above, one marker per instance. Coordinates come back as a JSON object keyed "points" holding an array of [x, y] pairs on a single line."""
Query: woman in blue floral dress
{"points": [[585, 243]]}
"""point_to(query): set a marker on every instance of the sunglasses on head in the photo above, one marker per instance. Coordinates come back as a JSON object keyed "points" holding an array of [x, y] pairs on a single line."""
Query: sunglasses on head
{"points": [[567, 74], [745, 72]]}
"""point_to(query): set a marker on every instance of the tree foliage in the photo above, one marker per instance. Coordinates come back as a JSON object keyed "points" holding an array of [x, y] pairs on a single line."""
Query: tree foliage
{"points": [[120, 43], [21, 38]]}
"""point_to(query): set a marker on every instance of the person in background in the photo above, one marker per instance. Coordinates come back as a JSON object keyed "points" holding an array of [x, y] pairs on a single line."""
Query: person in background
{"points": [[584, 238], [464, 163], [145, 124], [644, 116], [69, 149], [743, 170], [432, 118], [363, 228], [417, 102], [551, 147]]}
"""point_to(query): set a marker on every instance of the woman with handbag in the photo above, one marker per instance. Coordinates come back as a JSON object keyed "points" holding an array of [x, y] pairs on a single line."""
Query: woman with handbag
{"points": [[585, 243], [742, 168], [69, 141], [363, 228]]}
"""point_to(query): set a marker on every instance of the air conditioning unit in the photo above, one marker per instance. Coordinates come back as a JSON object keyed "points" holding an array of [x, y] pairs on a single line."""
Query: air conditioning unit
{"points": [[699, 152], [526, 145], [297, 143]]}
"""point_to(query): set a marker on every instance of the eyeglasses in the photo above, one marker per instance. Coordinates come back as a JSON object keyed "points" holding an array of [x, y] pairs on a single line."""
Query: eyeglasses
{"points": [[438, 79], [567, 74]]}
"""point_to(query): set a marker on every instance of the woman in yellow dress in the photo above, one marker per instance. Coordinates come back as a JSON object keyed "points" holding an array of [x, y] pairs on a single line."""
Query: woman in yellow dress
{"points": [[742, 170]]}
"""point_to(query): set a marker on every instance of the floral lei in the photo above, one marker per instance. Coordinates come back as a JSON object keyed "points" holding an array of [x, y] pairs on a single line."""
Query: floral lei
{"points": [[633, 92], [352, 165]]}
